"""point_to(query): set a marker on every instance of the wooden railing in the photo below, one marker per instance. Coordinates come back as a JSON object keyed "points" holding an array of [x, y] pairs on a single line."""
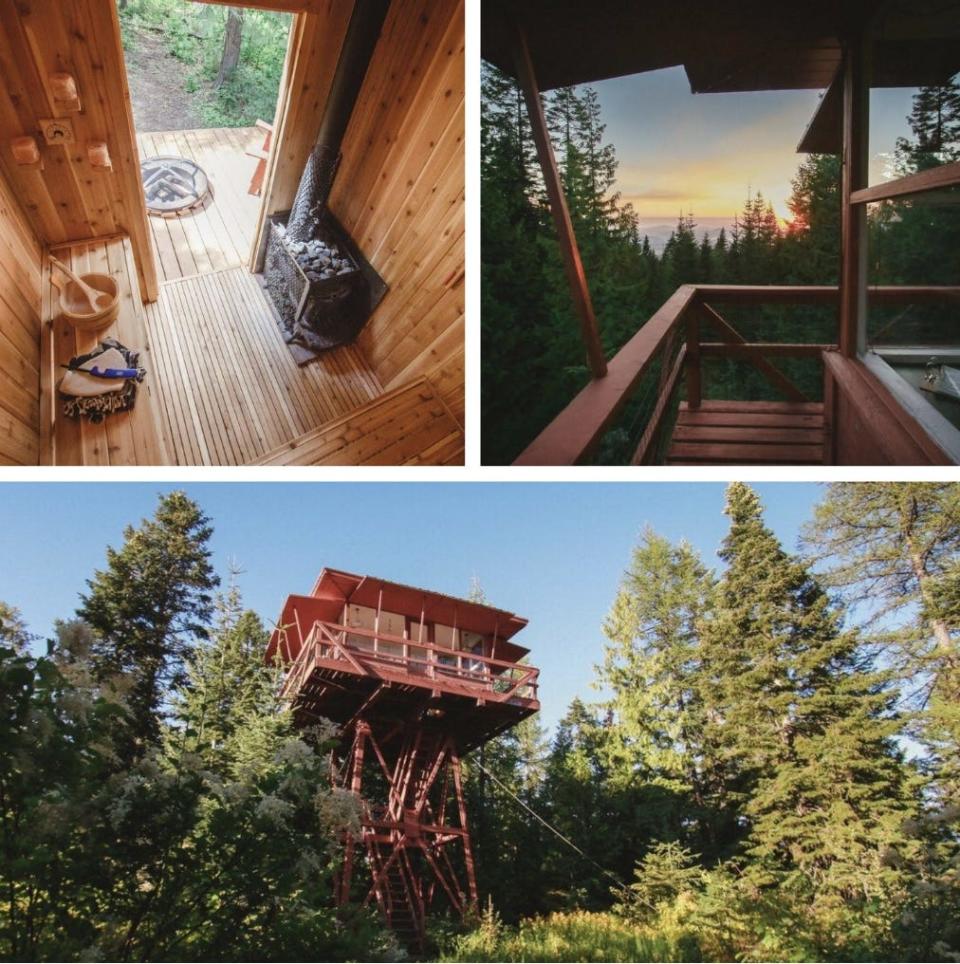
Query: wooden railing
{"points": [[362, 650], [674, 337]]}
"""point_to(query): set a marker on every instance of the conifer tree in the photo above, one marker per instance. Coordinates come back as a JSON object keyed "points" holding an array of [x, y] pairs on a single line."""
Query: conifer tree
{"points": [[805, 723], [148, 607], [895, 546], [651, 668], [230, 691]]}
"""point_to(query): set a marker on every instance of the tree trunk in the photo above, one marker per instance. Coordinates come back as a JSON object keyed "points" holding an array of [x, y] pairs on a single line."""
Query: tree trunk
{"points": [[232, 38]]}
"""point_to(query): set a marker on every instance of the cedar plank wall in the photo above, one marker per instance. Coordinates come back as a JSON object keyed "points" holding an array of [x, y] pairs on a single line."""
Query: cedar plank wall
{"points": [[19, 335], [69, 200], [400, 194]]}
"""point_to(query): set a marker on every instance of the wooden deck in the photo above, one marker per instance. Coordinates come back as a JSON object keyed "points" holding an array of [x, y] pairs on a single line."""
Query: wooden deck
{"points": [[230, 390], [407, 426], [757, 433], [221, 234]]}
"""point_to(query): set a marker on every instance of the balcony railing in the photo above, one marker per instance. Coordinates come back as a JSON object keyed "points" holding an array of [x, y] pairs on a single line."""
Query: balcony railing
{"points": [[366, 651], [673, 340]]}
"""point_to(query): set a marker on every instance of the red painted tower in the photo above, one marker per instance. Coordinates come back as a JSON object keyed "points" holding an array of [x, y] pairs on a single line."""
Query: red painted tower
{"points": [[415, 680]]}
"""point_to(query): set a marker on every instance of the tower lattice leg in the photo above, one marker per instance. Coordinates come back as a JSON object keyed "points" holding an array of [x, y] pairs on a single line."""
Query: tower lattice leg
{"points": [[414, 826]]}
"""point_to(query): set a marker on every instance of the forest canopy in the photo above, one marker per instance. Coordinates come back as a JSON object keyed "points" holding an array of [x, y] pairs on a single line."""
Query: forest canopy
{"points": [[770, 769]]}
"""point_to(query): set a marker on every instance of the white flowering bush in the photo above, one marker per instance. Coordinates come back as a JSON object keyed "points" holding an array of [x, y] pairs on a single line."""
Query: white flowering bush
{"points": [[219, 843]]}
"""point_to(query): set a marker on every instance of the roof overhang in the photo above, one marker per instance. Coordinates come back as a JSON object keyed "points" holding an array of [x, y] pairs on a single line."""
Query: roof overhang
{"points": [[740, 45]]}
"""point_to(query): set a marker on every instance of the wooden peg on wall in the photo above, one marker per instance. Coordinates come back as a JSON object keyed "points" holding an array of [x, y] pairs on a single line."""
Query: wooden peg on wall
{"points": [[98, 154], [64, 89], [26, 152]]}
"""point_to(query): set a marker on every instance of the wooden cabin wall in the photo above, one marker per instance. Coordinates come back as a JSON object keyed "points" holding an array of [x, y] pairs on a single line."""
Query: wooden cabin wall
{"points": [[866, 425], [20, 260], [400, 194], [69, 199]]}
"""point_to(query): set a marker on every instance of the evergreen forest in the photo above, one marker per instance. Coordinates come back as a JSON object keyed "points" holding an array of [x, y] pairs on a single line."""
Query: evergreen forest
{"points": [[532, 355], [770, 769]]}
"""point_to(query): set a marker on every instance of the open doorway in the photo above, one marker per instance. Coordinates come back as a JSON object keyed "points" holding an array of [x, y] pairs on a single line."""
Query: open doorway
{"points": [[204, 81]]}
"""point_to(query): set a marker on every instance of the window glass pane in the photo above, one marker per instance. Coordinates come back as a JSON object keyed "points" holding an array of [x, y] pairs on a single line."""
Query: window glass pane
{"points": [[913, 306]]}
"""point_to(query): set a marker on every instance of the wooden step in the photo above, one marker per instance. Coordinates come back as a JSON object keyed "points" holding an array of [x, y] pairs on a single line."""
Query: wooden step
{"points": [[753, 433], [409, 425]]}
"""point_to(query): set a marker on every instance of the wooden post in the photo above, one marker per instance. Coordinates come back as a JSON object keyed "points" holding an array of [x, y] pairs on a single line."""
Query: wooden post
{"points": [[572, 262], [462, 807], [356, 778], [694, 386], [853, 224]]}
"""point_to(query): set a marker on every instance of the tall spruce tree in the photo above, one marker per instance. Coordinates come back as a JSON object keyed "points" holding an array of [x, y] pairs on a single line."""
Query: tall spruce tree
{"points": [[149, 606], [651, 668], [806, 725]]}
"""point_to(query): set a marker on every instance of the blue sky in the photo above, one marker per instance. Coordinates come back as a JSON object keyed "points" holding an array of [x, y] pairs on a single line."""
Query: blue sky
{"points": [[703, 152], [551, 552]]}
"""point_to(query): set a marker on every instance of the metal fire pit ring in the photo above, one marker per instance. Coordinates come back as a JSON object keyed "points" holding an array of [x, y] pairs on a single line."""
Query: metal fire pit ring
{"points": [[173, 185]]}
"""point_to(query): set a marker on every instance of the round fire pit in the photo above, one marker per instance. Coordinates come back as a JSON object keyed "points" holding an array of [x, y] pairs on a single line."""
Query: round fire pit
{"points": [[173, 186]]}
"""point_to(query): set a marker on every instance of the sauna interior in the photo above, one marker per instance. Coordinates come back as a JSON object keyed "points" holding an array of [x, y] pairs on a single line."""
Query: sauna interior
{"points": [[222, 387]]}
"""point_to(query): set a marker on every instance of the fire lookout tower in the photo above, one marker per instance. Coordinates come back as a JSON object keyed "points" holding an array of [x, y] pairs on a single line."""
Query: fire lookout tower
{"points": [[415, 680]]}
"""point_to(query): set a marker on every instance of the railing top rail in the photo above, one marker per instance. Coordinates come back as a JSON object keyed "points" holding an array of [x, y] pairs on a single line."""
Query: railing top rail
{"points": [[497, 664], [818, 294], [932, 179], [574, 432]]}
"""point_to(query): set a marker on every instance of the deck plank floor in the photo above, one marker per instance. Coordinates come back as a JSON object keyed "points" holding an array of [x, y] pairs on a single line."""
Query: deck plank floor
{"points": [[220, 235], [230, 390], [755, 433]]}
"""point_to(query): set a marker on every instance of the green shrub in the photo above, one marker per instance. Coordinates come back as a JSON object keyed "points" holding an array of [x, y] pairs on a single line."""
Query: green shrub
{"points": [[571, 936]]}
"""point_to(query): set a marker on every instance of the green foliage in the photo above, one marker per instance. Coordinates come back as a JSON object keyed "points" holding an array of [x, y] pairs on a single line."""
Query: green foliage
{"points": [[194, 34], [667, 873], [219, 839], [571, 936], [148, 607]]}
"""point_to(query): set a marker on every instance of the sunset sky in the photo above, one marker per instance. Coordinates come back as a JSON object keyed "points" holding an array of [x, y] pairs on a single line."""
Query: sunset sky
{"points": [[702, 153]]}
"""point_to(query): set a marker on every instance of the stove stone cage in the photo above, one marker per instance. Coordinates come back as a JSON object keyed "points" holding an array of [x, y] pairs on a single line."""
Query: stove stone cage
{"points": [[323, 306]]}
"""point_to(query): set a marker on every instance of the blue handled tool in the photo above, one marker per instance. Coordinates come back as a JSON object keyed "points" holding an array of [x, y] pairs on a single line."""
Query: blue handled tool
{"points": [[111, 372]]}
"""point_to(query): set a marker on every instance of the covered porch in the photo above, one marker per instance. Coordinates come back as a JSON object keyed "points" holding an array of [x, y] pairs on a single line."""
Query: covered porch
{"points": [[829, 396]]}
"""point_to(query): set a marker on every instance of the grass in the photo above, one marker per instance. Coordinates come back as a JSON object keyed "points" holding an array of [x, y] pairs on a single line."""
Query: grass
{"points": [[569, 936]]}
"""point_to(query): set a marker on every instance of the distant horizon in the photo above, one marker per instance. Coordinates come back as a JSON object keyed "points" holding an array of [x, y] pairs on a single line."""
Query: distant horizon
{"points": [[707, 153]]}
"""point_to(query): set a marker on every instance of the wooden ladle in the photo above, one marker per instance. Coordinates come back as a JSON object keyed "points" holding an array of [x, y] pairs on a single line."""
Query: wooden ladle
{"points": [[98, 299]]}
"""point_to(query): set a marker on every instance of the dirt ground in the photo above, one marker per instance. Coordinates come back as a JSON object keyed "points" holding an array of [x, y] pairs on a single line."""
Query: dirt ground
{"points": [[158, 86]]}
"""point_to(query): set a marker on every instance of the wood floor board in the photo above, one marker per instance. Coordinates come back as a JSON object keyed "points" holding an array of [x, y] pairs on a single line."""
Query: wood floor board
{"points": [[754, 433], [232, 391], [220, 235]]}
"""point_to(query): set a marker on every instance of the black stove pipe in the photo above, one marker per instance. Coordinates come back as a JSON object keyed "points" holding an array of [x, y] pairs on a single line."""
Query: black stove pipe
{"points": [[364, 28]]}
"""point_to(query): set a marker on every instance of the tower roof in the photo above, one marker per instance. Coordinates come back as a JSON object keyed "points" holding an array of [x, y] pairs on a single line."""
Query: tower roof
{"points": [[334, 588]]}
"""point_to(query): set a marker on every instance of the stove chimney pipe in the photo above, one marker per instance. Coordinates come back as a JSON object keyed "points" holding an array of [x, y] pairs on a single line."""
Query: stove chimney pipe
{"points": [[364, 28]]}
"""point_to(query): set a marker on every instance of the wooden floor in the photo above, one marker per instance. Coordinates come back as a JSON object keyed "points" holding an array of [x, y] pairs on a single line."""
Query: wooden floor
{"points": [[221, 234], [758, 433], [406, 426], [230, 390]]}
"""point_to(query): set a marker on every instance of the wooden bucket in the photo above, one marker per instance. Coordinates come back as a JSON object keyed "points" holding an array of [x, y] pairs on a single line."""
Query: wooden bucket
{"points": [[76, 307]]}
